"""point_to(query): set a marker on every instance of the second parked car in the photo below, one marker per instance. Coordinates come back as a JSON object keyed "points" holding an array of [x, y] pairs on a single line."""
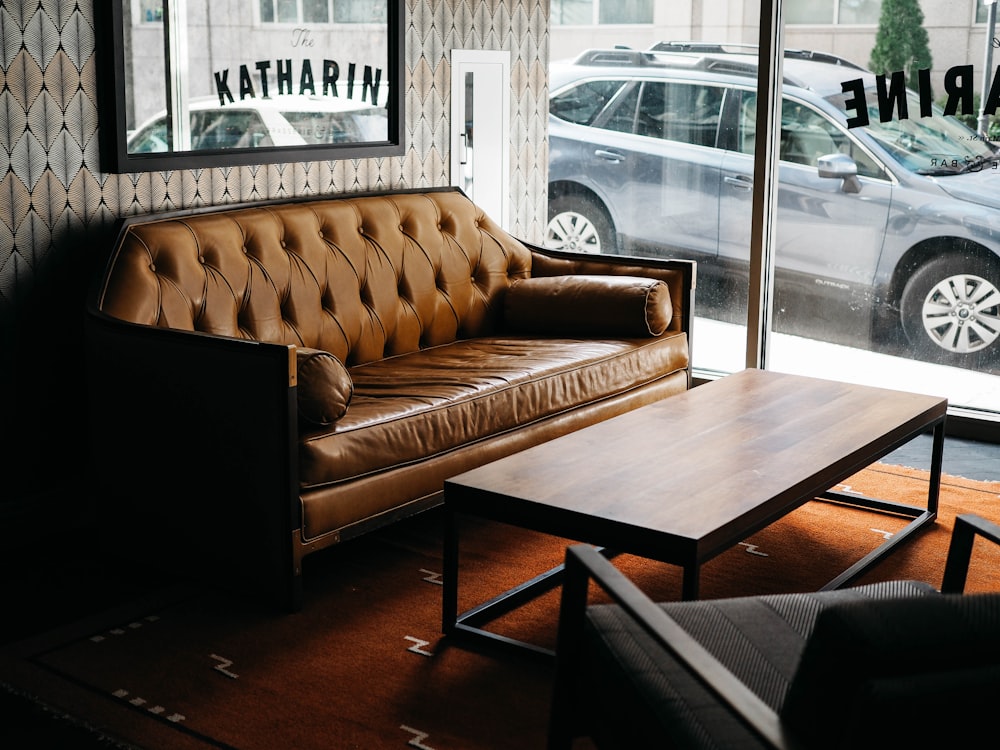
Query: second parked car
{"points": [[894, 226]]}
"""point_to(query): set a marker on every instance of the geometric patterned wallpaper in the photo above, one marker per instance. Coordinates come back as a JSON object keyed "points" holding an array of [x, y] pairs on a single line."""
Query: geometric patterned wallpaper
{"points": [[50, 182], [57, 208]]}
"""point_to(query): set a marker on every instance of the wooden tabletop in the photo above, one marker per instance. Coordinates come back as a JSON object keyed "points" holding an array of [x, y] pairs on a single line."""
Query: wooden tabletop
{"points": [[688, 475]]}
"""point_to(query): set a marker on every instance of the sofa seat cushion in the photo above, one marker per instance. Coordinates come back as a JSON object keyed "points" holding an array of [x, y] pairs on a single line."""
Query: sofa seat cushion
{"points": [[418, 405]]}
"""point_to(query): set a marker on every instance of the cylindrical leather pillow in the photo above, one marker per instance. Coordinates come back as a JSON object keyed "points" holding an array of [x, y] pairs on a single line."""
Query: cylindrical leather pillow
{"points": [[324, 387], [628, 306]]}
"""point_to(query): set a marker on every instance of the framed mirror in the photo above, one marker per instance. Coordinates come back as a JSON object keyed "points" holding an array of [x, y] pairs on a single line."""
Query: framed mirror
{"points": [[186, 84]]}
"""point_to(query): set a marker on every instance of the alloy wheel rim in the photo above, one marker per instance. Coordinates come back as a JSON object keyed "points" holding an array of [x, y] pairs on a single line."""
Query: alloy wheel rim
{"points": [[574, 232], [961, 313]]}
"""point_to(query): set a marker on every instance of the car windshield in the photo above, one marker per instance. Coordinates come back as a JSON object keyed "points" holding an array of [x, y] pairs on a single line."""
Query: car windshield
{"points": [[935, 145]]}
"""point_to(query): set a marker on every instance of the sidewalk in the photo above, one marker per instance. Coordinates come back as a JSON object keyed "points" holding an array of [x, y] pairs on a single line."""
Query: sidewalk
{"points": [[721, 346]]}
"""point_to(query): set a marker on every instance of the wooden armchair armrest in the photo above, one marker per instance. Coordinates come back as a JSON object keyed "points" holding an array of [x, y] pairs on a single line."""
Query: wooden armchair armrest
{"points": [[956, 568], [584, 563]]}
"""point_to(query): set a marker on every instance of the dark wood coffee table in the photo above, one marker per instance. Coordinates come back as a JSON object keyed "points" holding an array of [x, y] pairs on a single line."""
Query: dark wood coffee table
{"points": [[686, 478]]}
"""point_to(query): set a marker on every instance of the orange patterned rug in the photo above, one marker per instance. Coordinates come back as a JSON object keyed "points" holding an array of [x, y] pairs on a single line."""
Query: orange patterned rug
{"points": [[364, 665]]}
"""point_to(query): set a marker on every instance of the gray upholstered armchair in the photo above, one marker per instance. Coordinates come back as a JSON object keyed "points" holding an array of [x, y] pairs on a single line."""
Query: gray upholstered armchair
{"points": [[885, 665]]}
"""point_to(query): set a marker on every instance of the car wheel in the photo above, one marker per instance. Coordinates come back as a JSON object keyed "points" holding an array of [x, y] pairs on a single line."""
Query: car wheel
{"points": [[579, 224], [951, 307]]}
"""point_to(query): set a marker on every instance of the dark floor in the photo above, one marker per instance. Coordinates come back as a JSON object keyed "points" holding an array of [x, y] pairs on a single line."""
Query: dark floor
{"points": [[68, 580], [970, 459]]}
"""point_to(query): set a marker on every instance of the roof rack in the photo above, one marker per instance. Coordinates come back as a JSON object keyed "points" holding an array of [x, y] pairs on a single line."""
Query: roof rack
{"points": [[616, 56], [708, 56], [740, 48]]}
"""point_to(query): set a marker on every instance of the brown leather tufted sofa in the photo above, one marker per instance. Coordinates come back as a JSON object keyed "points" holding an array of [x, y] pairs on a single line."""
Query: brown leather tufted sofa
{"points": [[268, 380]]}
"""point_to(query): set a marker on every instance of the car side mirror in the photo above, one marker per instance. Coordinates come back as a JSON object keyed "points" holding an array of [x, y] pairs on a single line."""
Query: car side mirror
{"points": [[840, 167]]}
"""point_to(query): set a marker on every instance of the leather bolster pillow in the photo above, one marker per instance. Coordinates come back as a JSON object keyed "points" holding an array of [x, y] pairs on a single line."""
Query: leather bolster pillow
{"points": [[324, 388], [628, 306]]}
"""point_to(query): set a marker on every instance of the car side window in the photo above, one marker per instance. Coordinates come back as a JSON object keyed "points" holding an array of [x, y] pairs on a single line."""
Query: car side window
{"points": [[319, 127], [688, 113], [152, 139], [621, 116], [228, 129], [805, 136], [583, 103]]}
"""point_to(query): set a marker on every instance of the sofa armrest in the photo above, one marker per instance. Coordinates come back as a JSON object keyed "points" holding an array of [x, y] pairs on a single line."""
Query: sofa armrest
{"points": [[194, 442], [967, 528], [585, 563]]}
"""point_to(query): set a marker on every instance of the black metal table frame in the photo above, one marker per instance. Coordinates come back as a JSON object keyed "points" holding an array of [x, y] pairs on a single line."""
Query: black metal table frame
{"points": [[469, 625]]}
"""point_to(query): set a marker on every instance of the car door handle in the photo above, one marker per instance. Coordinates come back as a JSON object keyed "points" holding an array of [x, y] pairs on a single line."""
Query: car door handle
{"points": [[612, 156], [741, 181]]}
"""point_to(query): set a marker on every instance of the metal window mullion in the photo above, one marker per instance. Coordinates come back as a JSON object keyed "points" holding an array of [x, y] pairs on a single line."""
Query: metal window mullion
{"points": [[765, 185], [991, 22], [175, 34]]}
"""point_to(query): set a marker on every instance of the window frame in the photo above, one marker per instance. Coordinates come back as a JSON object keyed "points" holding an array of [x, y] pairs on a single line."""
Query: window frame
{"points": [[113, 78]]}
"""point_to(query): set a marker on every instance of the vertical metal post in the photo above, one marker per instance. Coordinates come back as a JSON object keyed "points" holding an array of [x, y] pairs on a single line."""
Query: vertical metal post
{"points": [[175, 35], [765, 184], [991, 22]]}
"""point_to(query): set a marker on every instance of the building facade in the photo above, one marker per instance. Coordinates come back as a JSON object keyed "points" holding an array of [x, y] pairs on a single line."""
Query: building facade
{"points": [[957, 28]]}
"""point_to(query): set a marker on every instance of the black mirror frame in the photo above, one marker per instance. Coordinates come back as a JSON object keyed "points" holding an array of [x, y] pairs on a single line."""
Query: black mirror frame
{"points": [[114, 155]]}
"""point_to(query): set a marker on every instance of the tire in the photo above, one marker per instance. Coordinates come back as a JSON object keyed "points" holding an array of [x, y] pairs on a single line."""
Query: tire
{"points": [[579, 224], [950, 309]]}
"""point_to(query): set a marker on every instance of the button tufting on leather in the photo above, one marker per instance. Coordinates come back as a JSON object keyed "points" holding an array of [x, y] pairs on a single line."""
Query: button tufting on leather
{"points": [[152, 267]]}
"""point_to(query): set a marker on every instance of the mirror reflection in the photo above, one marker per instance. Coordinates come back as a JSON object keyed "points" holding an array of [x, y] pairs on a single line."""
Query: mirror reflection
{"points": [[207, 76]]}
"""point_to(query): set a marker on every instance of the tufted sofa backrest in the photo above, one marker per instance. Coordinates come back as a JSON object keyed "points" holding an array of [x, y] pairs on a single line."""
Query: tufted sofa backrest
{"points": [[361, 277]]}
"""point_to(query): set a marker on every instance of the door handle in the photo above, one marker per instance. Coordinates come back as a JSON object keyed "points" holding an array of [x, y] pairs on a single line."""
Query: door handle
{"points": [[740, 181], [612, 156]]}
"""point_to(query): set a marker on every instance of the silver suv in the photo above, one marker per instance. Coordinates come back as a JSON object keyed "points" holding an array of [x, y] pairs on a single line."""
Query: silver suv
{"points": [[894, 226]]}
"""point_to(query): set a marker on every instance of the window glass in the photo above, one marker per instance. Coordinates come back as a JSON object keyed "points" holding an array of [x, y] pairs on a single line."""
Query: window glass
{"points": [[151, 139], [572, 12], [805, 136], [210, 129], [809, 11], [360, 11], [626, 11], [333, 127], [680, 112], [589, 12], [267, 11], [151, 11], [318, 11], [886, 235], [621, 116], [315, 11], [228, 129], [832, 11], [859, 11], [288, 11], [582, 103]]}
